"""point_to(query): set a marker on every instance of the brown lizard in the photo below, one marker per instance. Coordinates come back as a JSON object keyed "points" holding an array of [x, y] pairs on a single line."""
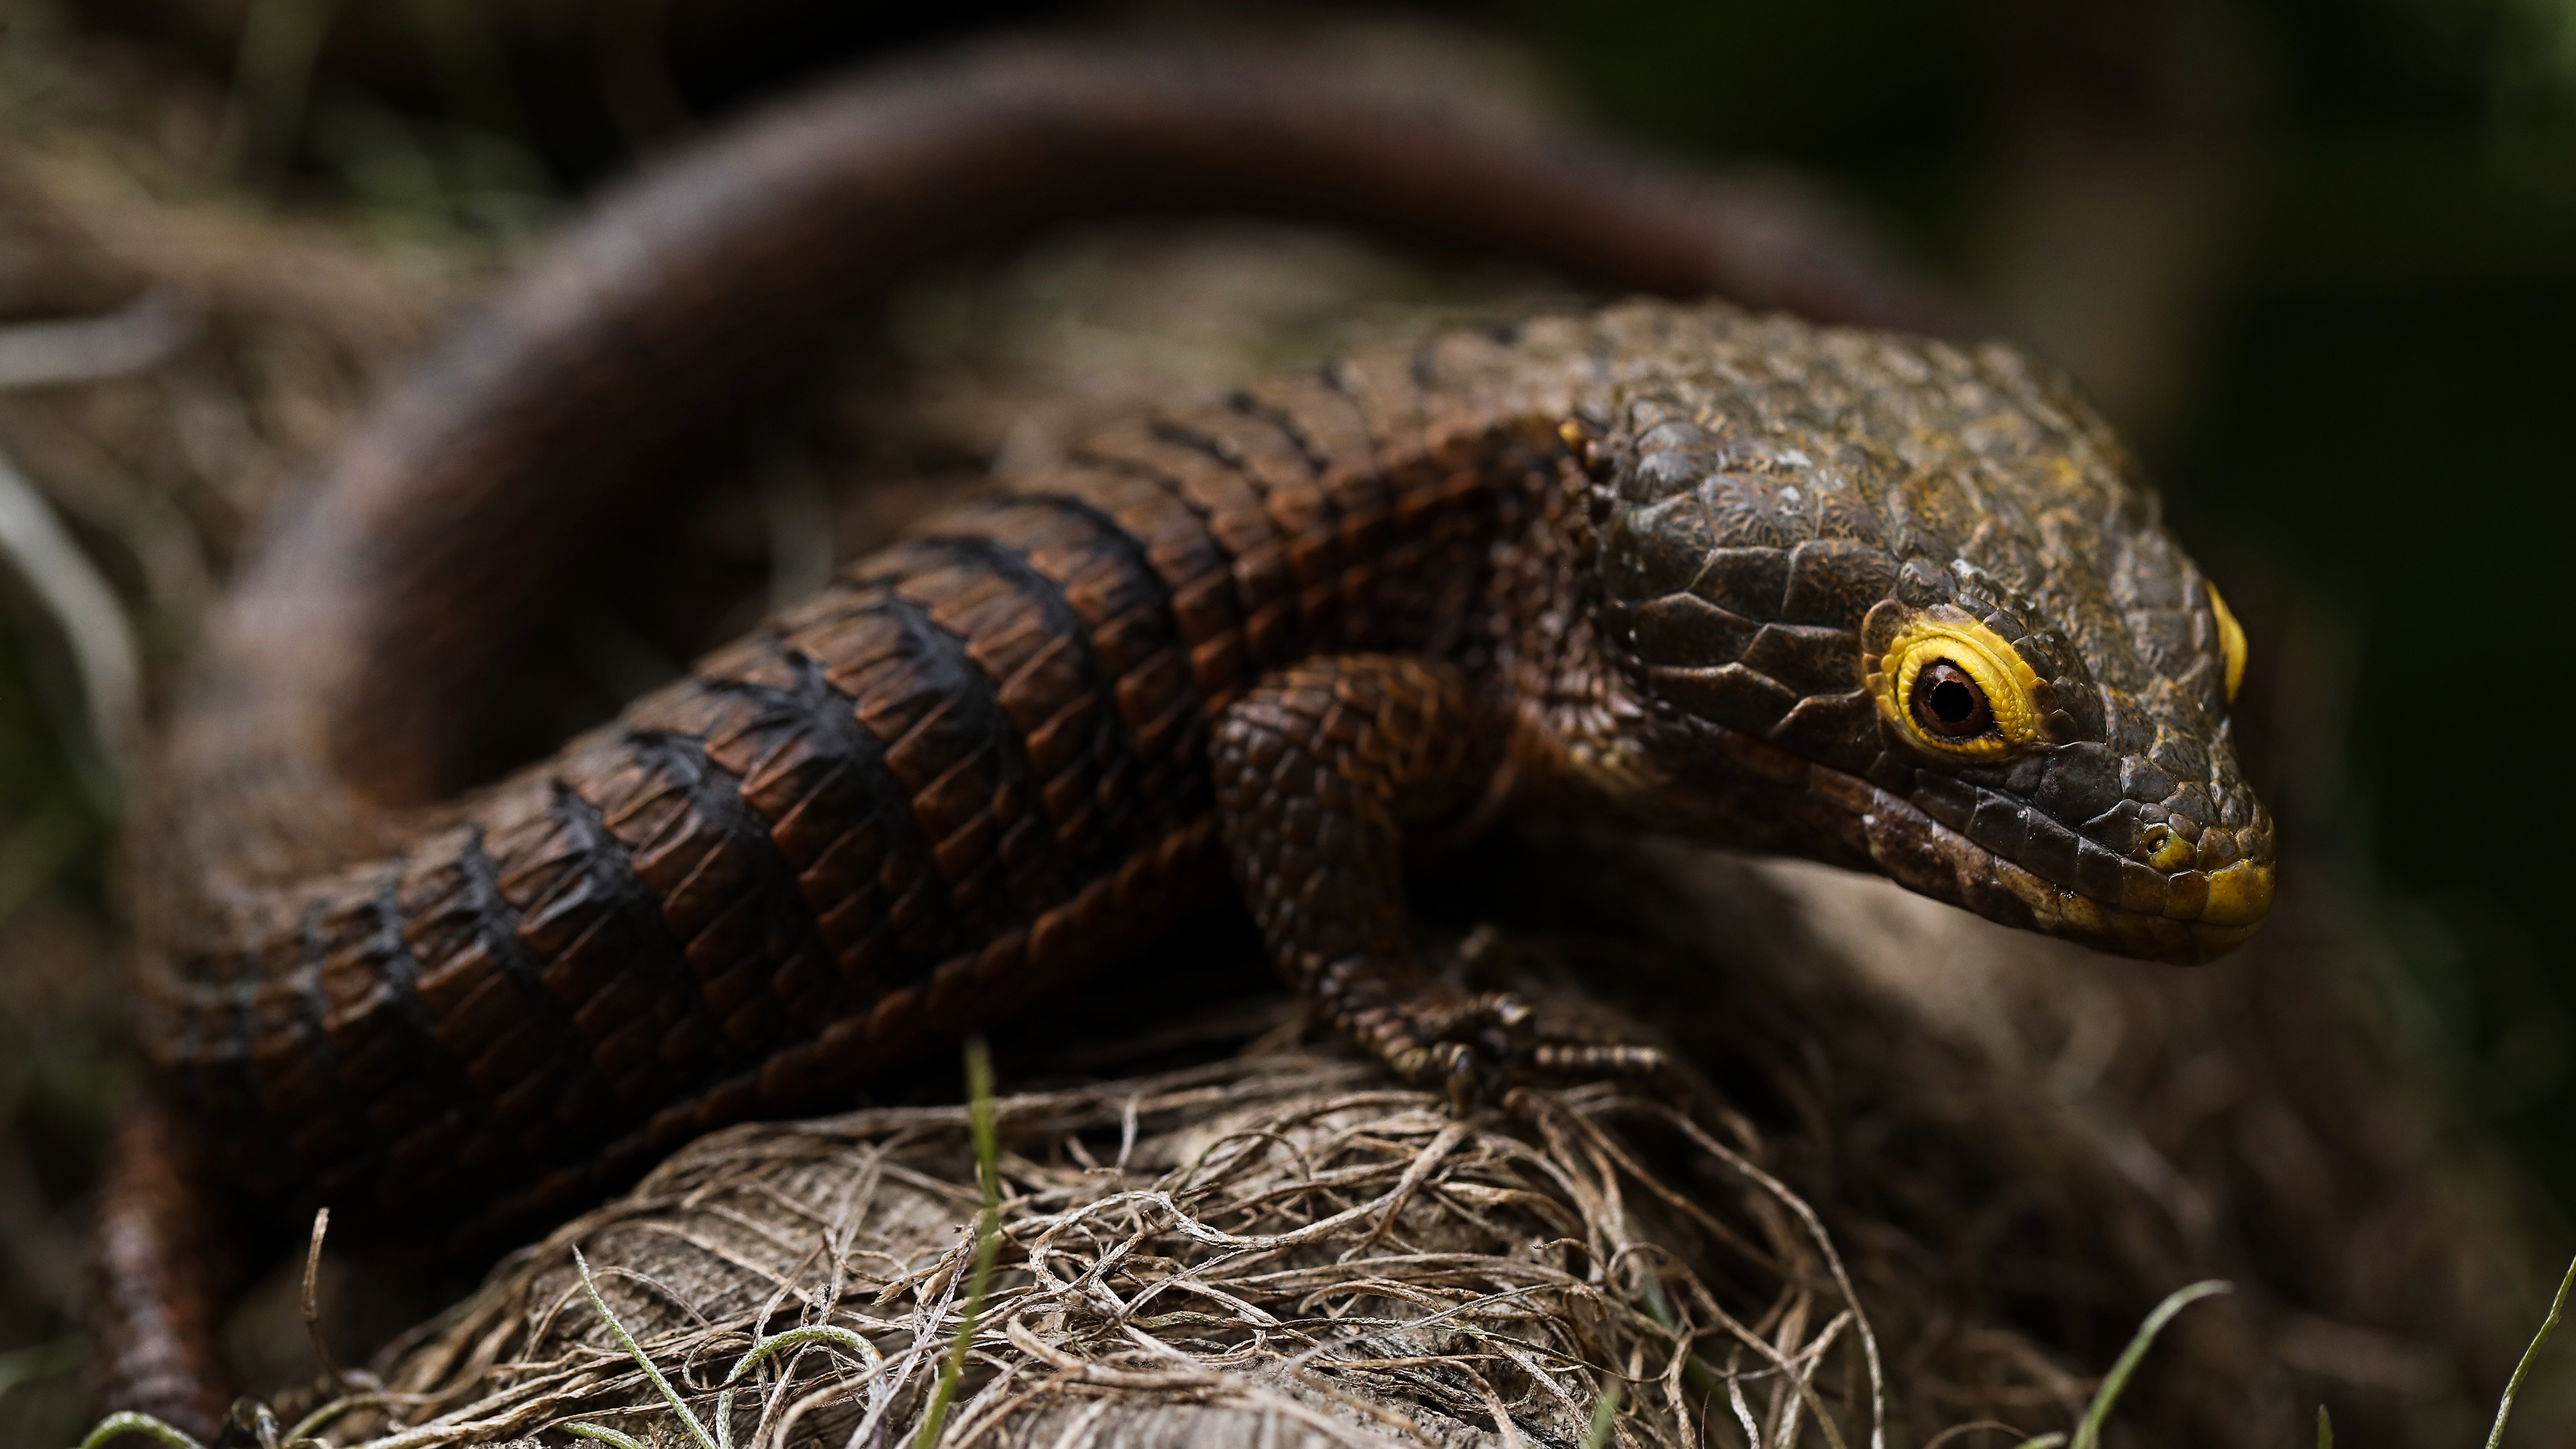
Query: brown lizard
{"points": [[1858, 595]]}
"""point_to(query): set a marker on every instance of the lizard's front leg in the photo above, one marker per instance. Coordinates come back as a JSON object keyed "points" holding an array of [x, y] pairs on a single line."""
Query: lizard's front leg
{"points": [[1322, 772]]}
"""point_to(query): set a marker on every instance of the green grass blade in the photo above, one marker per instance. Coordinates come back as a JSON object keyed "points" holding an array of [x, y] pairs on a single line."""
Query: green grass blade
{"points": [[988, 1164], [2088, 1435], [2504, 1409], [313, 1423], [792, 1338], [636, 1352], [817, 1333], [130, 1422], [603, 1434], [2325, 1429]]}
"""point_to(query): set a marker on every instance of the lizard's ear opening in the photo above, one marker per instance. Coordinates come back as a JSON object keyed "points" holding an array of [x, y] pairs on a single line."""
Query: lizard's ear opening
{"points": [[1953, 687]]}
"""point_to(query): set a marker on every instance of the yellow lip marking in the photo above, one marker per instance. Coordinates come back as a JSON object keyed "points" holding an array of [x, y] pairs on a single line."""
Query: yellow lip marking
{"points": [[2231, 642], [1947, 632], [2239, 894]]}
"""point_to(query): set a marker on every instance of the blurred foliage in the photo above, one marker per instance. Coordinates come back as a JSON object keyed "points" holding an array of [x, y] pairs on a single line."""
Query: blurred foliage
{"points": [[52, 826]]}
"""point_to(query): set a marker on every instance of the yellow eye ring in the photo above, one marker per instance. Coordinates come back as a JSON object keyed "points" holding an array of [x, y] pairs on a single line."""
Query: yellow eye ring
{"points": [[1948, 642], [2231, 641]]}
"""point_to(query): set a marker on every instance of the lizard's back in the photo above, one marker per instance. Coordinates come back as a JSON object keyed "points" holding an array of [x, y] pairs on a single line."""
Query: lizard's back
{"points": [[973, 766]]}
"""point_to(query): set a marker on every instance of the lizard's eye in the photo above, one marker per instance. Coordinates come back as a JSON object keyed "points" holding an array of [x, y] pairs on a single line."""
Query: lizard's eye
{"points": [[1951, 684], [1949, 704]]}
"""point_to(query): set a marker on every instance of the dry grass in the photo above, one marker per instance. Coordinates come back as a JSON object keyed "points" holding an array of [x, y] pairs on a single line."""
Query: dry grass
{"points": [[1280, 1248], [1274, 1246], [1281, 1235]]}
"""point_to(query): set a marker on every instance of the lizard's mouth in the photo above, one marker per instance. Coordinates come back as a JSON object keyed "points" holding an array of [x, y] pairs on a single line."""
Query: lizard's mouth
{"points": [[1922, 854], [1845, 818]]}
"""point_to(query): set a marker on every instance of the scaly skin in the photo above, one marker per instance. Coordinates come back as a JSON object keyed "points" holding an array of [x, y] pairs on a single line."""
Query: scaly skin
{"points": [[1670, 564], [1289, 636]]}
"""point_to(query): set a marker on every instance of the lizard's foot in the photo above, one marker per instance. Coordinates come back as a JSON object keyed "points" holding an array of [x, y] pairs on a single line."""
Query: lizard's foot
{"points": [[1476, 1045]]}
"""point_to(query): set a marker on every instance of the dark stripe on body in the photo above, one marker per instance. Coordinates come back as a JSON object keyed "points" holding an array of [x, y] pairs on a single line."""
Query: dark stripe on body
{"points": [[1129, 550], [637, 912], [833, 722], [496, 926], [975, 724], [431, 1064], [1192, 794], [1092, 679], [316, 1010], [849, 787], [715, 794], [977, 699], [1244, 404]]}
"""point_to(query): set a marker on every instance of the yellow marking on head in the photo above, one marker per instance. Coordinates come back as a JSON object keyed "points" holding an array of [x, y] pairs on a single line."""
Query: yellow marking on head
{"points": [[2231, 641], [1945, 632], [2166, 850], [2239, 894]]}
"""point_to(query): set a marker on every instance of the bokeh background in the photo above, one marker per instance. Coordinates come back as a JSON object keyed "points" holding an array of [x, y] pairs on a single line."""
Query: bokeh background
{"points": [[2316, 257]]}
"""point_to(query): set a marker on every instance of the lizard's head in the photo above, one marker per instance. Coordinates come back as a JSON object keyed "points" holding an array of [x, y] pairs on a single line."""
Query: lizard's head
{"points": [[1904, 606]]}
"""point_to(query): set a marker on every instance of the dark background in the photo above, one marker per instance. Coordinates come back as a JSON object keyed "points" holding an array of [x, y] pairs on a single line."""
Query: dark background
{"points": [[2317, 257]]}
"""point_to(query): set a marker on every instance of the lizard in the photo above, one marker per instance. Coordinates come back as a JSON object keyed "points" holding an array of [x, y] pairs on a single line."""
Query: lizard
{"points": [[1801, 577]]}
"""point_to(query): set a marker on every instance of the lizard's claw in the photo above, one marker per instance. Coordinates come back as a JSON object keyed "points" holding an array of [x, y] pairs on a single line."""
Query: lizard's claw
{"points": [[1475, 1046]]}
